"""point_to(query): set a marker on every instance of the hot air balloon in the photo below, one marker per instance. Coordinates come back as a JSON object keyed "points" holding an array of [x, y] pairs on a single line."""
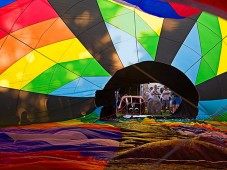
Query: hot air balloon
{"points": [[62, 59]]}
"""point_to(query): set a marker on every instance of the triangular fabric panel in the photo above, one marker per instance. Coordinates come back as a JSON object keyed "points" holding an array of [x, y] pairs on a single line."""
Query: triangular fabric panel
{"points": [[50, 80], [92, 33], [202, 113], [45, 33], [122, 41], [223, 58], [147, 37], [193, 71], [85, 67], [25, 70], [213, 108], [154, 7], [189, 54], [25, 14], [64, 51], [173, 34], [213, 89], [82, 87], [211, 42], [28, 67], [63, 73], [128, 20]]}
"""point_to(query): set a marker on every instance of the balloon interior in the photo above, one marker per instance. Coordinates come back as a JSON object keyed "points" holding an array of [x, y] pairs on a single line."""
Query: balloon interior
{"points": [[74, 76]]}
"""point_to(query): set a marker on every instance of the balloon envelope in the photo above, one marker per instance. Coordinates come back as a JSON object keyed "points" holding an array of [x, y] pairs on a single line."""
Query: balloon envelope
{"points": [[56, 54]]}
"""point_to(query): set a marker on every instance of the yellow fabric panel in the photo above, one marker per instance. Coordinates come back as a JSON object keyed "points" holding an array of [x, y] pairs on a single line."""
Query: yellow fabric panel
{"points": [[223, 58], [34, 63], [25, 70], [23, 41], [12, 51], [67, 50], [153, 21]]}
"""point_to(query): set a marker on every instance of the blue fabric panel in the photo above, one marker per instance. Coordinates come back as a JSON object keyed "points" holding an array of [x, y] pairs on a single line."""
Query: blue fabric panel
{"points": [[129, 50], [193, 72], [5, 2], [82, 87], [189, 55], [156, 7], [212, 108]]}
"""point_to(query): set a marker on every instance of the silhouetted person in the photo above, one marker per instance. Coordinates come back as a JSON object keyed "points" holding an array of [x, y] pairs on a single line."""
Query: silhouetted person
{"points": [[24, 120]]}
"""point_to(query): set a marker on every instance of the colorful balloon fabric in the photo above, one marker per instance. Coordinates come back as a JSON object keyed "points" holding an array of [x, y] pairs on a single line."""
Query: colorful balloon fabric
{"points": [[56, 54], [122, 144]]}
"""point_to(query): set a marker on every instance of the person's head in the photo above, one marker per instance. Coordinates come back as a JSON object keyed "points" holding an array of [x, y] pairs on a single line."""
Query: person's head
{"points": [[155, 87]]}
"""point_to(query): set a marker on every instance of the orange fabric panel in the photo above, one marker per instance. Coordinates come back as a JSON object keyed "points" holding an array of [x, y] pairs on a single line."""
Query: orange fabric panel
{"points": [[11, 51], [25, 40], [44, 33], [23, 13], [57, 32]]}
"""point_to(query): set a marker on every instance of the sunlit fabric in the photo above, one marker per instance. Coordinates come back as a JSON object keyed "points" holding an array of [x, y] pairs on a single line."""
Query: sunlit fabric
{"points": [[217, 7], [62, 61], [164, 9], [83, 144]]}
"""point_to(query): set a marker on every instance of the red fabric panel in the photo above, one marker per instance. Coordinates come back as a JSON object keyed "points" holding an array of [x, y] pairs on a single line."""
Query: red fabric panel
{"points": [[23, 13], [216, 7], [183, 10], [220, 4]]}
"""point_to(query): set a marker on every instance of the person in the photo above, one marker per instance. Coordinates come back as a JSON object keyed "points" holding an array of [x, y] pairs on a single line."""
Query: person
{"points": [[165, 99], [176, 101], [147, 97], [155, 103]]}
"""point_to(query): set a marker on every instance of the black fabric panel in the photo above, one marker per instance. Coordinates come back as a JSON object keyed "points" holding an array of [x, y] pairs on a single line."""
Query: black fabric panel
{"points": [[148, 71], [173, 34], [85, 21], [65, 108], [8, 107], [214, 88], [108, 112], [104, 97], [40, 108]]}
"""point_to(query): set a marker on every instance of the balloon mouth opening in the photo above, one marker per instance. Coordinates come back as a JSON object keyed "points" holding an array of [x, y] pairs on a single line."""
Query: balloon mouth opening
{"points": [[145, 73]]}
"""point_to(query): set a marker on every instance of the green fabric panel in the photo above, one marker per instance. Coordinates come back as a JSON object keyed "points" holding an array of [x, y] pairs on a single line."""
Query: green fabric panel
{"points": [[127, 21], [210, 40], [86, 67], [222, 117], [50, 80], [147, 37], [92, 117], [118, 16], [63, 73]]}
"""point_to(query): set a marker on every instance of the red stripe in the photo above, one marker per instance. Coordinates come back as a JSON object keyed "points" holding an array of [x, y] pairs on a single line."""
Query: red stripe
{"points": [[183, 10], [53, 159], [220, 4], [23, 13]]}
